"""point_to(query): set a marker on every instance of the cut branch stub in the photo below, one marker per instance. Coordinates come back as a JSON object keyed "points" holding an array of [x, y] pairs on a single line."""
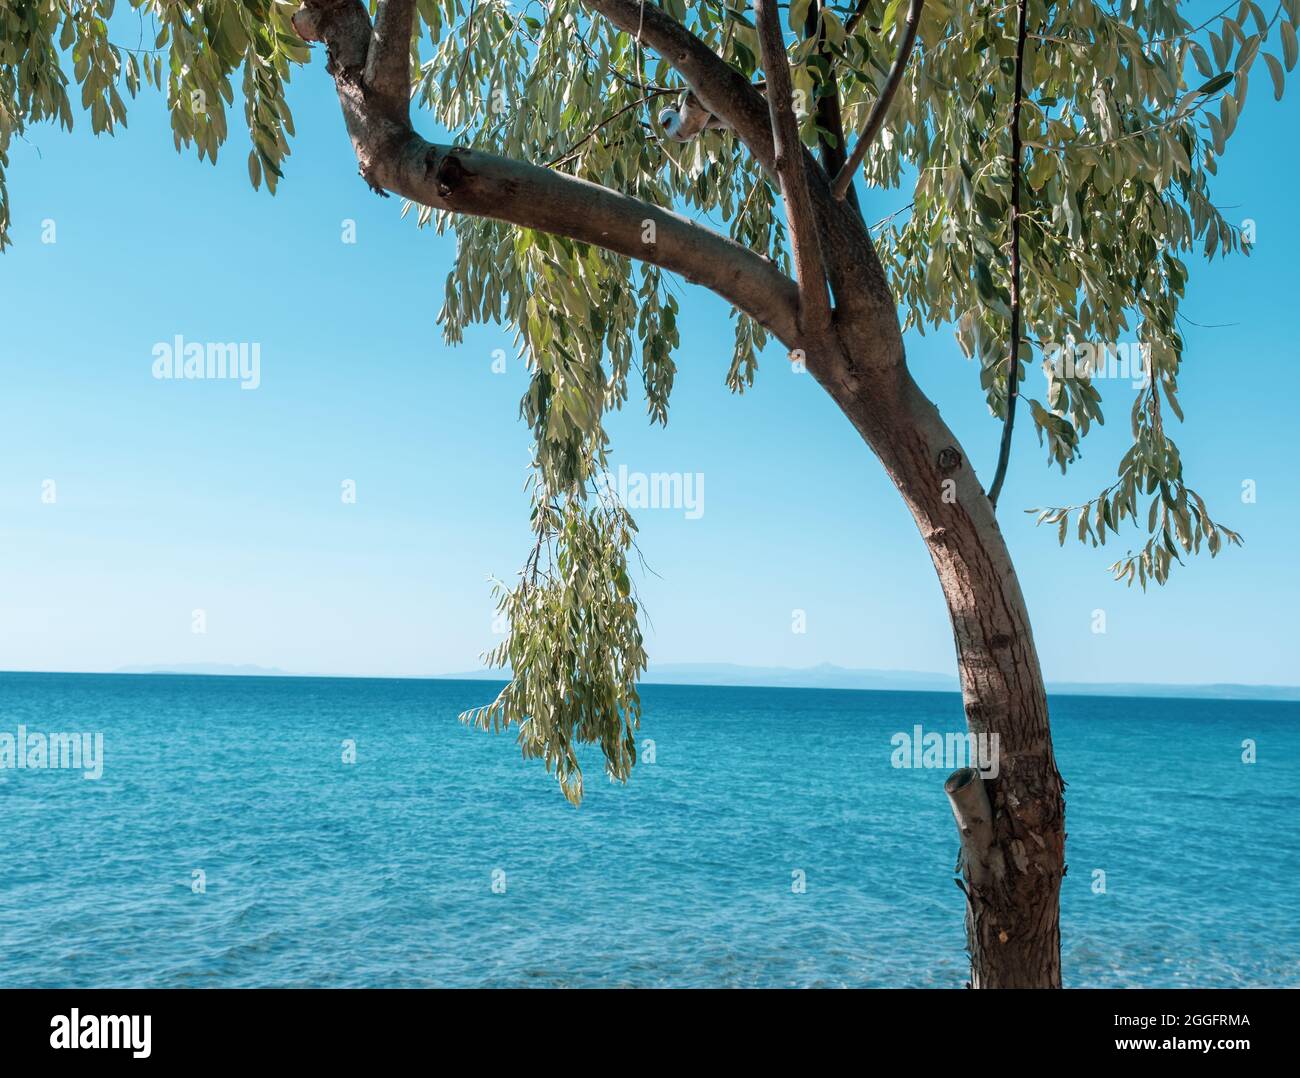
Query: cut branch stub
{"points": [[974, 816]]}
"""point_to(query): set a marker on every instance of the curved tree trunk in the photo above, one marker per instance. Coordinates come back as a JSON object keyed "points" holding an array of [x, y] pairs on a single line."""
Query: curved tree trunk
{"points": [[1013, 875]]}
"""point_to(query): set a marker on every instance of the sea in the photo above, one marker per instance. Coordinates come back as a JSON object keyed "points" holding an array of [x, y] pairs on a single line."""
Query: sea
{"points": [[266, 831]]}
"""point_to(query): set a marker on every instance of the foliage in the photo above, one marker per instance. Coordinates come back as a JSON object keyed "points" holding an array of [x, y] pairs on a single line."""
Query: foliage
{"points": [[1126, 113], [583, 690]]}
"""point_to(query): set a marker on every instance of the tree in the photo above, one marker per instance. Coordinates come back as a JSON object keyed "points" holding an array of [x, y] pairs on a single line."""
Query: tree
{"points": [[1059, 157]]}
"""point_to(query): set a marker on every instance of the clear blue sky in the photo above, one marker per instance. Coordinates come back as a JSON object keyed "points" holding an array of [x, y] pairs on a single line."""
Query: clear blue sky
{"points": [[173, 496]]}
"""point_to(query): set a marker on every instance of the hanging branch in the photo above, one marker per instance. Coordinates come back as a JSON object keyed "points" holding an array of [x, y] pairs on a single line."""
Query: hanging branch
{"points": [[1013, 363], [876, 119]]}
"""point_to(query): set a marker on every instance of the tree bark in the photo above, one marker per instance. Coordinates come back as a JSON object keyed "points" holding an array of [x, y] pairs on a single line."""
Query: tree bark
{"points": [[1013, 898]]}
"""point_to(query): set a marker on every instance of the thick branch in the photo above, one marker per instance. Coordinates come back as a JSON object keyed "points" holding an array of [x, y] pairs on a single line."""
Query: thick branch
{"points": [[721, 89], [468, 181], [388, 65], [393, 158], [814, 306], [1013, 361], [876, 119]]}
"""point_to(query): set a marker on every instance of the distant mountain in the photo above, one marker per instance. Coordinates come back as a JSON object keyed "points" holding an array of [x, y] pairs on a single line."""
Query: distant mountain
{"points": [[828, 676], [824, 676], [223, 669], [1218, 691]]}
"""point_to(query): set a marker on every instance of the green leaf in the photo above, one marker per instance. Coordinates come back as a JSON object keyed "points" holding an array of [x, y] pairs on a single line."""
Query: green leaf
{"points": [[1289, 50], [1275, 71], [1217, 83]]}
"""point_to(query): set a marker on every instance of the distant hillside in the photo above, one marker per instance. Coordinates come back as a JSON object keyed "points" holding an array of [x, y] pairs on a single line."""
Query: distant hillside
{"points": [[828, 676], [1218, 691], [225, 669], [825, 676]]}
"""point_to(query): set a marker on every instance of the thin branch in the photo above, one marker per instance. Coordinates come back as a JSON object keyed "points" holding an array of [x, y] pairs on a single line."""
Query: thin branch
{"points": [[626, 80], [1206, 325], [829, 117], [814, 304], [1013, 362], [572, 151], [388, 62], [876, 119], [859, 11], [885, 220], [469, 41]]}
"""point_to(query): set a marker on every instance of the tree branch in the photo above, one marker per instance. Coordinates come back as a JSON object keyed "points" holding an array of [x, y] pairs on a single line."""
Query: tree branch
{"points": [[721, 89], [459, 180], [388, 64], [829, 117], [876, 118], [1013, 362], [484, 185], [572, 152], [859, 12], [857, 279], [390, 160], [814, 306]]}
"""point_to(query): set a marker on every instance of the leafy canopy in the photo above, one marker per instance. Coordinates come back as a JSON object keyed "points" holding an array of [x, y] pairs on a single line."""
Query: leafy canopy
{"points": [[1126, 112]]}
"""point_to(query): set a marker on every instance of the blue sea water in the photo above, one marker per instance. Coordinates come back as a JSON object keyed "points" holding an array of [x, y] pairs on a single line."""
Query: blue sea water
{"points": [[381, 872]]}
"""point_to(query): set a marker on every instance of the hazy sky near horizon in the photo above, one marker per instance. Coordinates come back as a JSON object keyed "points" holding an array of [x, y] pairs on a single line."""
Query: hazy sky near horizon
{"points": [[176, 496]]}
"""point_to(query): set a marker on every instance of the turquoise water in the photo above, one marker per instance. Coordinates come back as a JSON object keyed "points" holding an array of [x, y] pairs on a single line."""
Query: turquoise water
{"points": [[381, 872]]}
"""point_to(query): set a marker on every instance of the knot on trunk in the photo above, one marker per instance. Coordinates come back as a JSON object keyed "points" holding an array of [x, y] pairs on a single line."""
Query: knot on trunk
{"points": [[450, 174], [949, 459]]}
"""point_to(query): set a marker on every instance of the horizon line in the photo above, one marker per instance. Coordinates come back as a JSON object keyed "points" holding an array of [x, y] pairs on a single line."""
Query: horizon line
{"points": [[488, 676]]}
